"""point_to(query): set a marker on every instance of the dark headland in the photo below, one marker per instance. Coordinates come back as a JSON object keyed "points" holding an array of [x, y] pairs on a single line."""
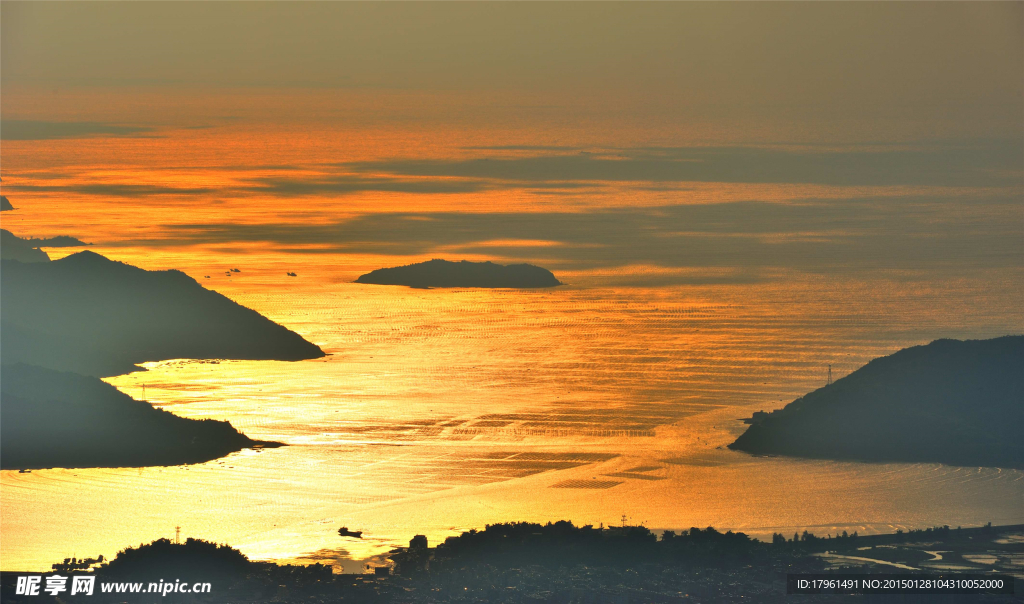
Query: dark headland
{"points": [[954, 402], [53, 419], [13, 247], [443, 273], [94, 316]]}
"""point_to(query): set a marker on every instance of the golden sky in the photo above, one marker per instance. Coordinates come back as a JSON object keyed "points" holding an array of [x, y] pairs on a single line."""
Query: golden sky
{"points": [[746, 136]]}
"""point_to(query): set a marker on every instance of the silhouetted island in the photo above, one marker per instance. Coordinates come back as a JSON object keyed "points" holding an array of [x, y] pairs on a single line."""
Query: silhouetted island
{"points": [[443, 273], [5, 204], [94, 316], [953, 402], [56, 419]]}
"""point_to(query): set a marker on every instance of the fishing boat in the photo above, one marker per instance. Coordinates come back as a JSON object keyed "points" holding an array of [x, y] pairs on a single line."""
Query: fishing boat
{"points": [[344, 532]]}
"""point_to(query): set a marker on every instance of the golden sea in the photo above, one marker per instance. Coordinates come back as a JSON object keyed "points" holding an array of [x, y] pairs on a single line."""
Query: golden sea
{"points": [[437, 411]]}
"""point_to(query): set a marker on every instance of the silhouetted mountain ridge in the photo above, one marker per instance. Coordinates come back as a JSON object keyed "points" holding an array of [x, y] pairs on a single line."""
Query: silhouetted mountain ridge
{"points": [[952, 402], [95, 316], [13, 247], [444, 273], [58, 241], [59, 419]]}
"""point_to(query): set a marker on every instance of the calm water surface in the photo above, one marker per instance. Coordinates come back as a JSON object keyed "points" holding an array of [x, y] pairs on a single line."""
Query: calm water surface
{"points": [[443, 410]]}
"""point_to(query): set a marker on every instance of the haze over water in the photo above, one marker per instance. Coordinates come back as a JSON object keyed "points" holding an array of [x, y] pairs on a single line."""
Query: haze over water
{"points": [[718, 253]]}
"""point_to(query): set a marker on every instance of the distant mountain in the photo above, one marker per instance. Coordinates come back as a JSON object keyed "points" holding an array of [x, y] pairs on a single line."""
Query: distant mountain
{"points": [[58, 241], [442, 273], [94, 316], [63, 420], [953, 402], [13, 247], [5, 204]]}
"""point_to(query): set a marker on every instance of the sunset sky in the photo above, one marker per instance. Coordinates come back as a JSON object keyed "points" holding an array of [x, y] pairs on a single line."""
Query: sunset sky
{"points": [[670, 141]]}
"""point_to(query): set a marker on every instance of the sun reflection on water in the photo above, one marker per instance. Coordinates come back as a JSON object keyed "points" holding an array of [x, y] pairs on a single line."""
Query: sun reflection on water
{"points": [[443, 410]]}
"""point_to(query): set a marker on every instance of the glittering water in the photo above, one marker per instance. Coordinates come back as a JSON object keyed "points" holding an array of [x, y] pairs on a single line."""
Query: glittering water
{"points": [[443, 410]]}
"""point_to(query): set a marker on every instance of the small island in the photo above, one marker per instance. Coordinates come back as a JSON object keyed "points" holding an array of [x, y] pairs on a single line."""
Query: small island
{"points": [[954, 402], [53, 419], [94, 316], [444, 273]]}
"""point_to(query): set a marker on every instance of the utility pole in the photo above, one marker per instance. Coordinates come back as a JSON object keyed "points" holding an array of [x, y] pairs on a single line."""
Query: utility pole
{"points": [[829, 375], [177, 535]]}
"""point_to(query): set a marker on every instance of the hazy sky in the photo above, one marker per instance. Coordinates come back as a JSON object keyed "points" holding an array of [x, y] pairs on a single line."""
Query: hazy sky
{"points": [[955, 64], [895, 129]]}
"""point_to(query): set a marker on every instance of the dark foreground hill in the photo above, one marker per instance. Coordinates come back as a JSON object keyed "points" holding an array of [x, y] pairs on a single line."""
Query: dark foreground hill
{"points": [[442, 273], [952, 402], [518, 563], [65, 420], [94, 316], [195, 559]]}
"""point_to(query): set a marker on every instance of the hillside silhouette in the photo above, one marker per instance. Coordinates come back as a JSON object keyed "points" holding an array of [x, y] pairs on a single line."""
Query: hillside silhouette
{"points": [[518, 563], [515, 544], [5, 204], [952, 402], [194, 559], [13, 247], [443, 273], [94, 316], [58, 419]]}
